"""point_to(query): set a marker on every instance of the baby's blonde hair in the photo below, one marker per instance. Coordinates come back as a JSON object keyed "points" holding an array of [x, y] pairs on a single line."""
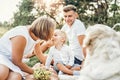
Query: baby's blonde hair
{"points": [[62, 34]]}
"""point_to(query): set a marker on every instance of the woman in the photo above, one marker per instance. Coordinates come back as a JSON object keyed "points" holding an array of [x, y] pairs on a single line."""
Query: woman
{"points": [[19, 41]]}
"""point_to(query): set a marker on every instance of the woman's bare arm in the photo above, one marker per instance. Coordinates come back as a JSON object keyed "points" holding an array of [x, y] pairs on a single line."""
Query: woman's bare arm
{"points": [[18, 46]]}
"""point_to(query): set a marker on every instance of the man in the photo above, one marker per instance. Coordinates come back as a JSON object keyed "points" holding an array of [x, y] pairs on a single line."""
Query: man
{"points": [[75, 30]]}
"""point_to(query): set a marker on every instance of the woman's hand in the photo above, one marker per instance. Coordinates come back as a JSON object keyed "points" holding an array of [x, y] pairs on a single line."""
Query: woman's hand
{"points": [[38, 51]]}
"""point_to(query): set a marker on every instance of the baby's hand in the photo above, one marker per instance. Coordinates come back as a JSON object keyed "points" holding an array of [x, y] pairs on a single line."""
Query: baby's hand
{"points": [[50, 43]]}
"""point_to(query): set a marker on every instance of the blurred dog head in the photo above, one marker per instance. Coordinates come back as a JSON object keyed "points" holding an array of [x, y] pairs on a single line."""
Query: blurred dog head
{"points": [[103, 54], [97, 34]]}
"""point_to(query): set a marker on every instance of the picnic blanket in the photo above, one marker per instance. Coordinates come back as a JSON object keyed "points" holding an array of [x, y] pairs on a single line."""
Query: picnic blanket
{"points": [[67, 77]]}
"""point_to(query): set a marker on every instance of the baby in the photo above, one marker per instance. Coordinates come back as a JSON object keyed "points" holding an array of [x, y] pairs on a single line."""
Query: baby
{"points": [[61, 54]]}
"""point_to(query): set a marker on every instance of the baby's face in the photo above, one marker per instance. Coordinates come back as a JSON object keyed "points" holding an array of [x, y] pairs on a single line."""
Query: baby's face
{"points": [[57, 37]]}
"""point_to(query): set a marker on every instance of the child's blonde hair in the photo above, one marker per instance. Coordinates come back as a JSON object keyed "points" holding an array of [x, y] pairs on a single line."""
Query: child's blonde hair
{"points": [[62, 34], [43, 27]]}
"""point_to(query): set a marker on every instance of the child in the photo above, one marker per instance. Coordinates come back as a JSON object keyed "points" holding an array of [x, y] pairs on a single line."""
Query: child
{"points": [[61, 55]]}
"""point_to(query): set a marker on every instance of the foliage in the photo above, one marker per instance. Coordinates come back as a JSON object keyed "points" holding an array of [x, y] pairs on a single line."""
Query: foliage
{"points": [[96, 11], [89, 11], [3, 30], [33, 60], [113, 20], [24, 15], [114, 7], [52, 10]]}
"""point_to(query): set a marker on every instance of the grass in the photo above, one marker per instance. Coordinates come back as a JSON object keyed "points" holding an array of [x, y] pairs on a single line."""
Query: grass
{"points": [[33, 60], [3, 30]]}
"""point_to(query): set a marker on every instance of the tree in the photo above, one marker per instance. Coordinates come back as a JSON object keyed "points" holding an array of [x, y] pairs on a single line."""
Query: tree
{"points": [[24, 15], [51, 9], [97, 11], [89, 11]]}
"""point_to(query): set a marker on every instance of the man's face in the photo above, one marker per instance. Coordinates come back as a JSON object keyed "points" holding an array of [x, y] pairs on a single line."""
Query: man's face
{"points": [[69, 17]]}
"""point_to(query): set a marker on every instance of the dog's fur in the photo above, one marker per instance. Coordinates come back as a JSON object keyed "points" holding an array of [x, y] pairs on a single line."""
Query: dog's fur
{"points": [[103, 54]]}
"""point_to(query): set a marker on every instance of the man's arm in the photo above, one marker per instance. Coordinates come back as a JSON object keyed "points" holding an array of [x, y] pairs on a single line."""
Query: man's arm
{"points": [[80, 39]]}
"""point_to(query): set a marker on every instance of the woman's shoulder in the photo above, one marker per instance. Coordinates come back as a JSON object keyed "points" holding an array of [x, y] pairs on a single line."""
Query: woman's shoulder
{"points": [[20, 28], [17, 31]]}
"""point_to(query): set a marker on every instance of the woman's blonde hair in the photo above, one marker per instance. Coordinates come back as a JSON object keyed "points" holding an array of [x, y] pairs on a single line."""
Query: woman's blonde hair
{"points": [[43, 27]]}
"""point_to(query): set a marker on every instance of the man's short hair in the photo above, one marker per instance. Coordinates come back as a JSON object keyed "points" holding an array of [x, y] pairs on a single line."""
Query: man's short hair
{"points": [[69, 8]]}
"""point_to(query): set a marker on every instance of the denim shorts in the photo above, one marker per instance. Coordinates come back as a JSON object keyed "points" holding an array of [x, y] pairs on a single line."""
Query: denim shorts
{"points": [[77, 61]]}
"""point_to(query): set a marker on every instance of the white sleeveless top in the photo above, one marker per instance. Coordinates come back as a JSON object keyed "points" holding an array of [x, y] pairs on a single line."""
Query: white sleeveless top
{"points": [[5, 43], [6, 47]]}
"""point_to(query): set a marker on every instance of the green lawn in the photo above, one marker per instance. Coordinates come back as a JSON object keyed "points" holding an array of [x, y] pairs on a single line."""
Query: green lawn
{"points": [[3, 30]]}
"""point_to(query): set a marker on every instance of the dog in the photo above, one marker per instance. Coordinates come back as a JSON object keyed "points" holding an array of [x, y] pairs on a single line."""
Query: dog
{"points": [[103, 54]]}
